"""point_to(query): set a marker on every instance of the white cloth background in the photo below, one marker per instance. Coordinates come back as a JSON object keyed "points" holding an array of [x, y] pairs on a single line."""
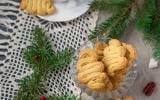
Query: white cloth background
{"points": [[15, 30]]}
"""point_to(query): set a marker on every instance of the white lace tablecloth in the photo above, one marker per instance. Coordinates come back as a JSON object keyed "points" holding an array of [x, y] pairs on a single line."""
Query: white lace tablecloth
{"points": [[15, 29]]}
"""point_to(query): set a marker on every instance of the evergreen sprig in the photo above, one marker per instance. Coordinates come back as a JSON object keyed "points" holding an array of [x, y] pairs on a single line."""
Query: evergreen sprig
{"points": [[148, 21], [42, 59], [145, 15], [117, 23], [110, 5], [31, 87], [112, 27]]}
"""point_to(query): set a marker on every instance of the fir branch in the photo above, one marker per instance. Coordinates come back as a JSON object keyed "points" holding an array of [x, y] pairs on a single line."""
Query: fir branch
{"points": [[156, 52], [42, 59], [113, 26], [116, 24], [30, 88], [110, 5], [145, 15], [61, 58], [148, 21]]}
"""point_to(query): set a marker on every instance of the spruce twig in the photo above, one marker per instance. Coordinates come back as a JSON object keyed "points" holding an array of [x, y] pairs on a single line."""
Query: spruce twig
{"points": [[148, 21], [110, 5], [116, 24], [42, 59], [113, 26]]}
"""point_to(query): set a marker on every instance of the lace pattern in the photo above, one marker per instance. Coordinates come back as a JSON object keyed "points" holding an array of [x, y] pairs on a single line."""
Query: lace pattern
{"points": [[15, 29]]}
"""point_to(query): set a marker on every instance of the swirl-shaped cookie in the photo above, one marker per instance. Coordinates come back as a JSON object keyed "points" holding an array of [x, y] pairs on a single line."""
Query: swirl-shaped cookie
{"points": [[114, 42], [131, 52], [91, 71], [88, 52], [117, 50], [100, 83], [38, 7], [82, 62], [93, 75], [115, 64], [130, 55], [99, 48], [114, 57]]}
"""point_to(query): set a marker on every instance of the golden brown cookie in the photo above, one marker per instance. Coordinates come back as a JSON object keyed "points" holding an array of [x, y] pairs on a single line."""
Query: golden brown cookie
{"points": [[23, 4], [85, 75], [40, 10], [50, 8], [115, 42], [85, 61], [131, 51], [38, 7], [110, 50], [116, 98], [34, 8], [101, 79], [93, 65], [29, 6], [98, 82], [114, 57], [128, 98], [99, 47], [101, 83], [88, 52], [109, 85], [116, 80], [115, 64]]}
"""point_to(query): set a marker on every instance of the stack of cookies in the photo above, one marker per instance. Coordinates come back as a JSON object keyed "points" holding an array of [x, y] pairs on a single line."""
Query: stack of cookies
{"points": [[38, 7], [103, 67]]}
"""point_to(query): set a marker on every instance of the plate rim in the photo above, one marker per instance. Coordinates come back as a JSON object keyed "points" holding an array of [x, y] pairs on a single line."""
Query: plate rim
{"points": [[65, 20]]}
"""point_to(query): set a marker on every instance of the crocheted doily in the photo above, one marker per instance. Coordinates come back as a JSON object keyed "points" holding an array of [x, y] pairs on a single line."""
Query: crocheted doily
{"points": [[15, 29]]}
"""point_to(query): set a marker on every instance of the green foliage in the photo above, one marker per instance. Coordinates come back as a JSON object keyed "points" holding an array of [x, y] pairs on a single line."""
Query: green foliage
{"points": [[113, 26], [110, 5], [156, 52], [148, 21], [31, 87], [117, 23], [61, 58], [46, 56], [145, 15]]}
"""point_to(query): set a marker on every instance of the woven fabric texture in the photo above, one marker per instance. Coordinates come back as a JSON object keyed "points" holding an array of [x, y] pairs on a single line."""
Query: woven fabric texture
{"points": [[15, 31]]}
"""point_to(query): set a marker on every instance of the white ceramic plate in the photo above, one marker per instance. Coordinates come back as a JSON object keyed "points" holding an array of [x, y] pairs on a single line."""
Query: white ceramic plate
{"points": [[68, 10]]}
